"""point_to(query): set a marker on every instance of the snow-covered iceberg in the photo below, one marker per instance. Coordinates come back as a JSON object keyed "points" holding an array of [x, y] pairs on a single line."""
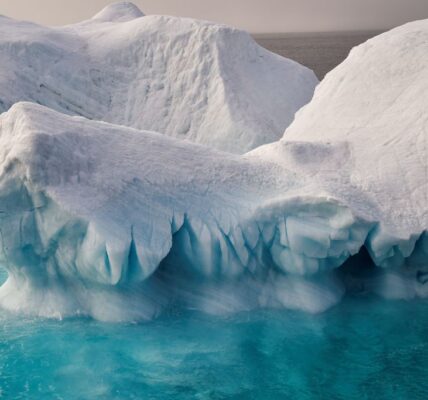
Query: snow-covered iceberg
{"points": [[117, 223], [189, 79], [89, 210], [364, 139]]}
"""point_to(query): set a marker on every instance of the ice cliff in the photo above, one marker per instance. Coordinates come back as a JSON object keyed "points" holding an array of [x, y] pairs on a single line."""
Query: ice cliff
{"points": [[118, 223], [189, 79]]}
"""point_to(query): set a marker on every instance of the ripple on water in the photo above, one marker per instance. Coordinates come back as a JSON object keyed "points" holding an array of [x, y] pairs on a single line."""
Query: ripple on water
{"points": [[362, 349]]}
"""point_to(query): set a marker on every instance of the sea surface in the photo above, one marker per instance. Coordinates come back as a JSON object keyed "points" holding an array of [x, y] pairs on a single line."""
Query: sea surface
{"points": [[321, 52], [364, 348]]}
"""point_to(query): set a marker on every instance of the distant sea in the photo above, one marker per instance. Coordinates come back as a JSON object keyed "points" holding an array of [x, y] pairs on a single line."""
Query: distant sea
{"points": [[321, 52]]}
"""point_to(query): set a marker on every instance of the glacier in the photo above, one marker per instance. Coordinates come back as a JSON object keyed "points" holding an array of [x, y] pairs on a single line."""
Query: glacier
{"points": [[118, 223], [195, 80]]}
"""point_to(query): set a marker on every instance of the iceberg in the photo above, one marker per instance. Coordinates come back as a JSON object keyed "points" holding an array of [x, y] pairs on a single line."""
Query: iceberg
{"points": [[90, 209], [118, 223], [364, 139], [195, 80]]}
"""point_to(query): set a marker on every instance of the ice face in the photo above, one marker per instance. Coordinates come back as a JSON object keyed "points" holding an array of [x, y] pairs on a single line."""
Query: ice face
{"points": [[106, 221], [189, 79]]}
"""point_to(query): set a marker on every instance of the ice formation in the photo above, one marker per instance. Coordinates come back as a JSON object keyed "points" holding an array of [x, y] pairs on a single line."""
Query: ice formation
{"points": [[364, 139], [190, 79], [117, 223], [90, 210]]}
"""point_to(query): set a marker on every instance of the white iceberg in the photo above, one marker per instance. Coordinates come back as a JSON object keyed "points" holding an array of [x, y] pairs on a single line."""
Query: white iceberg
{"points": [[87, 208], [189, 79], [116, 223]]}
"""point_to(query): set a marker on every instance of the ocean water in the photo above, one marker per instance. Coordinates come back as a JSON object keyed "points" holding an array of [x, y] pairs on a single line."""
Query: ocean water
{"points": [[364, 348], [321, 52]]}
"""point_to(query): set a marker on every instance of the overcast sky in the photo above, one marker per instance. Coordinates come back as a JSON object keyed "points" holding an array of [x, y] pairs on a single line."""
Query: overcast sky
{"points": [[252, 15]]}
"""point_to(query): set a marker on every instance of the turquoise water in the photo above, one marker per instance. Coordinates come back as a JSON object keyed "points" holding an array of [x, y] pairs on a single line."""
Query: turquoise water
{"points": [[364, 348]]}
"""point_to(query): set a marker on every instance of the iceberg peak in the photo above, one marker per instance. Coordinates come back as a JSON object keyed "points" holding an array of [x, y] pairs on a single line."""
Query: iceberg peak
{"points": [[123, 11]]}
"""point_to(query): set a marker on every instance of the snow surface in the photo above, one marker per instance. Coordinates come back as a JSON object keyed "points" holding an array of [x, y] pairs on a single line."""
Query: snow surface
{"points": [[117, 223], [190, 79]]}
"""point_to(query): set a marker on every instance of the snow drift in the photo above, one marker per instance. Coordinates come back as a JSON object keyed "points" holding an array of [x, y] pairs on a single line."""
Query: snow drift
{"points": [[117, 223], [190, 79]]}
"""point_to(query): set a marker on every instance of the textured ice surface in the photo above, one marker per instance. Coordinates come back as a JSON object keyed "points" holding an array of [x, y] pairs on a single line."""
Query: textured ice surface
{"points": [[118, 223], [88, 204], [190, 79]]}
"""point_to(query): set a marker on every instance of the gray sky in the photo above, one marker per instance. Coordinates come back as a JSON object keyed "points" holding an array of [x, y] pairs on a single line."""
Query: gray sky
{"points": [[252, 15]]}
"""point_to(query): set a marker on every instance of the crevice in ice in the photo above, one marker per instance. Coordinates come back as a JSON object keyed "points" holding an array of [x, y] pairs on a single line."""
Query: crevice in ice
{"points": [[356, 269], [133, 263], [422, 277], [395, 277]]}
